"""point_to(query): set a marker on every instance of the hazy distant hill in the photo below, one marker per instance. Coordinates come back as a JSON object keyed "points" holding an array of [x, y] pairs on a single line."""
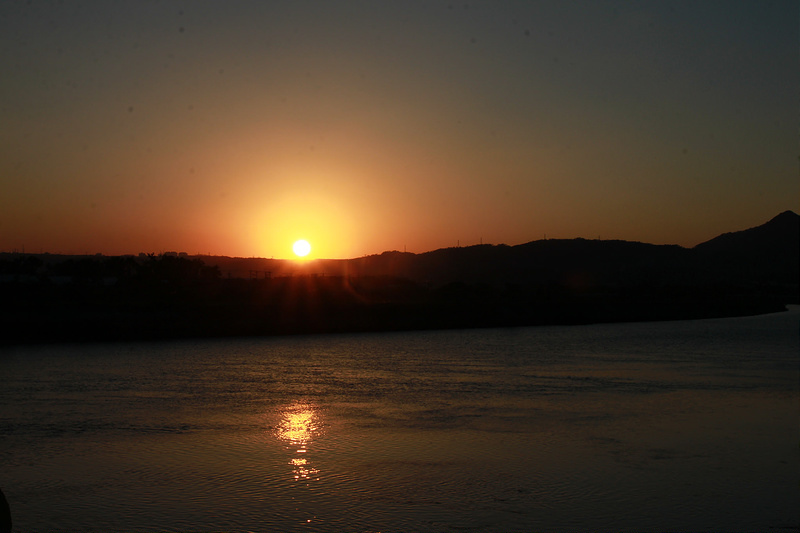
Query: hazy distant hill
{"points": [[767, 254], [564, 281], [774, 238]]}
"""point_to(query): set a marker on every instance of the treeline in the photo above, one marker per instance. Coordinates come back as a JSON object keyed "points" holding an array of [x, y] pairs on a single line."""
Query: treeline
{"points": [[107, 270], [167, 296]]}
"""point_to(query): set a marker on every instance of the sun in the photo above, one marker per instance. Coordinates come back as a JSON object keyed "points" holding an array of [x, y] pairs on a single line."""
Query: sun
{"points": [[301, 248]]}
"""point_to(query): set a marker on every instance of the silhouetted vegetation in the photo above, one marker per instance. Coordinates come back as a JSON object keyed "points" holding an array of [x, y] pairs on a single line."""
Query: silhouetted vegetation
{"points": [[57, 298]]}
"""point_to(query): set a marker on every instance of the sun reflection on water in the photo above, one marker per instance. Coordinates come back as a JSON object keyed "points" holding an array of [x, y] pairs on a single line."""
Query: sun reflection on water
{"points": [[300, 424]]}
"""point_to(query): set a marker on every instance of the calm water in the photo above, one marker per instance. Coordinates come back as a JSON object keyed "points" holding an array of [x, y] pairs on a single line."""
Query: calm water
{"points": [[678, 425]]}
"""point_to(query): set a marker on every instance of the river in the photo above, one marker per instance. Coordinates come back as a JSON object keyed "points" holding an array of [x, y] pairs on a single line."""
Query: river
{"points": [[683, 425]]}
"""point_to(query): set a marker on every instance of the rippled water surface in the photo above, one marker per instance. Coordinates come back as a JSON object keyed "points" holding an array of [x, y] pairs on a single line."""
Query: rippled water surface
{"points": [[677, 425]]}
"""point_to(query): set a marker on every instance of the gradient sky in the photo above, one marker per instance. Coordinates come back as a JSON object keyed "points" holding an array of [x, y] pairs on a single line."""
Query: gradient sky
{"points": [[235, 128]]}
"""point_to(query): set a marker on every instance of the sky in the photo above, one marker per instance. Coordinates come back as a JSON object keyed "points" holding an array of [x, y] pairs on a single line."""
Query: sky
{"points": [[235, 128]]}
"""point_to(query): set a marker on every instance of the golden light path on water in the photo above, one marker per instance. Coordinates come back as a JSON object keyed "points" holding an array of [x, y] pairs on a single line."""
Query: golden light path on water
{"points": [[298, 427]]}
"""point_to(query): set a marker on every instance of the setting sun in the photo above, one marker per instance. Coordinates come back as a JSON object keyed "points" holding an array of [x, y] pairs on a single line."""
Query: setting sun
{"points": [[301, 248]]}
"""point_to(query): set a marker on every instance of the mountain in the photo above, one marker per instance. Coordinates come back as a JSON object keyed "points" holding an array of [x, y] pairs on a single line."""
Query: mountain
{"points": [[775, 237], [561, 281], [562, 261], [764, 255], [769, 253]]}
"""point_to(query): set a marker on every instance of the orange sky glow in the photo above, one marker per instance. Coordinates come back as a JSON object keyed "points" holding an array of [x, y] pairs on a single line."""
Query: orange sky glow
{"points": [[237, 129]]}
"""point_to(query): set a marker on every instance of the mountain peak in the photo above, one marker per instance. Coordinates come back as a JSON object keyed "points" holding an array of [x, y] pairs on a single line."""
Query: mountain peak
{"points": [[783, 228], [785, 217], [773, 246]]}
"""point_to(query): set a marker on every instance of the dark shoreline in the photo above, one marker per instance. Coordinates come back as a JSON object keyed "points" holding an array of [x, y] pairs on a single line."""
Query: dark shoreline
{"points": [[44, 313]]}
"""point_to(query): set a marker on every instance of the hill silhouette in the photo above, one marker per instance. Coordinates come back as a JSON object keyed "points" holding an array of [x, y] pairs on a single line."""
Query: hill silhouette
{"points": [[766, 254], [763, 254], [555, 281]]}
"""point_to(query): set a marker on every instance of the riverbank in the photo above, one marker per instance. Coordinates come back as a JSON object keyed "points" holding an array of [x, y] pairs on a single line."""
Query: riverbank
{"points": [[45, 313]]}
